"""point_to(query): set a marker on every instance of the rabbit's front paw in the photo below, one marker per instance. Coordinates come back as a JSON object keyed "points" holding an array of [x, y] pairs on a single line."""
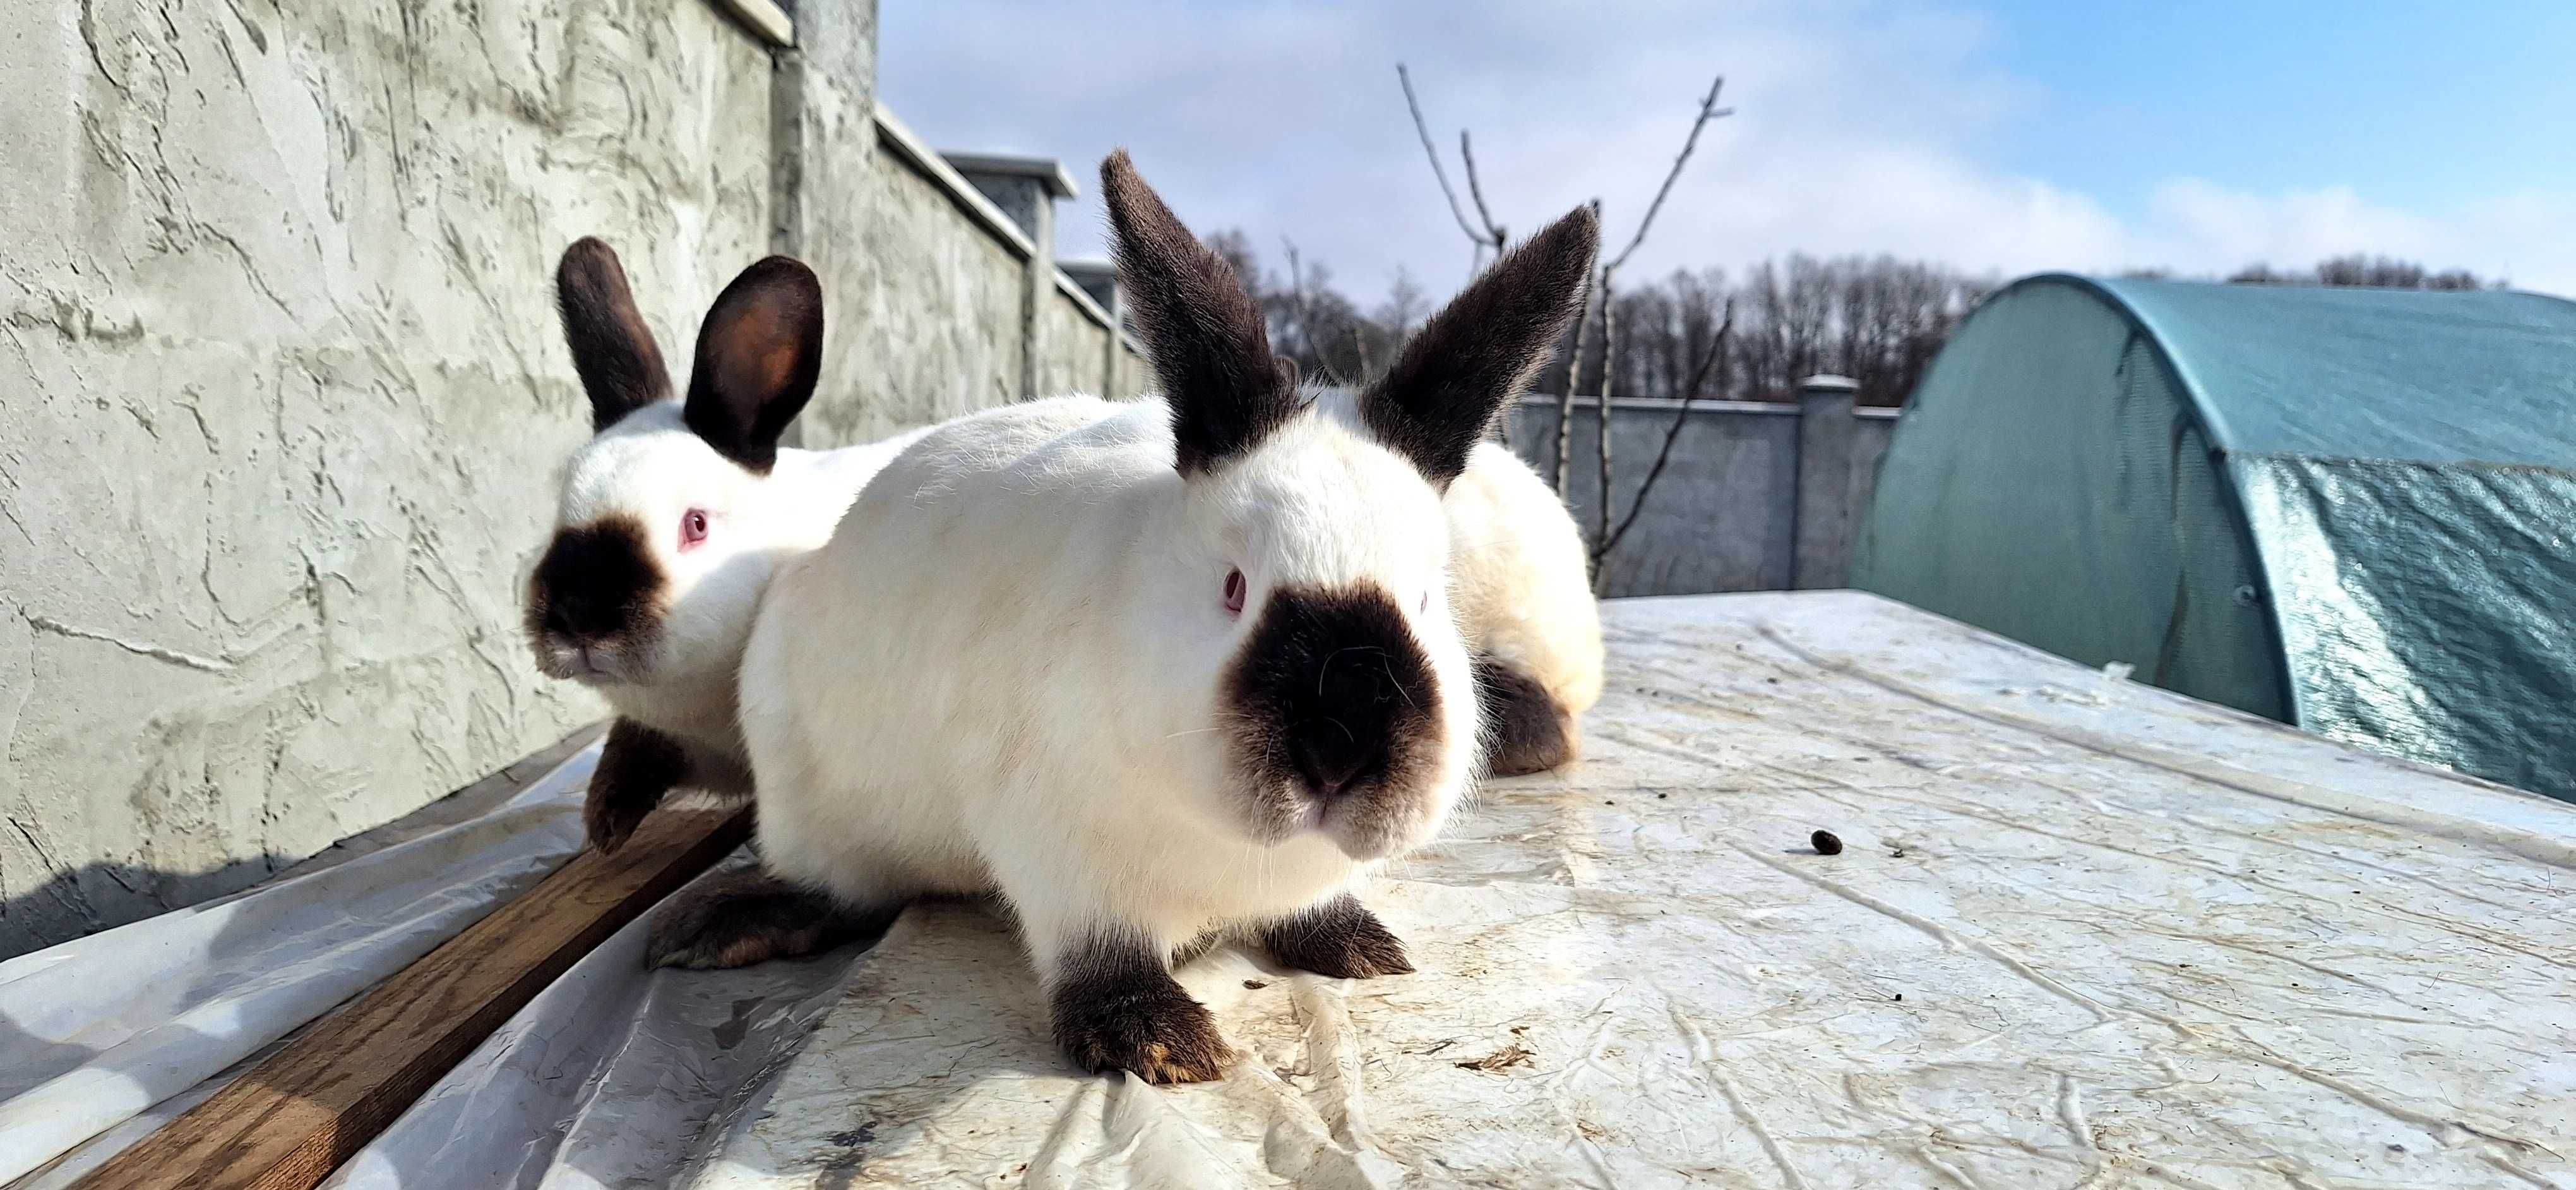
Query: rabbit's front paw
{"points": [[1123, 1011], [637, 766], [1340, 939]]}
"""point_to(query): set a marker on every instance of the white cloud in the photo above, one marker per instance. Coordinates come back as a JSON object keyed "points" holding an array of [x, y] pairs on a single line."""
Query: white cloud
{"points": [[1865, 126], [2198, 224]]}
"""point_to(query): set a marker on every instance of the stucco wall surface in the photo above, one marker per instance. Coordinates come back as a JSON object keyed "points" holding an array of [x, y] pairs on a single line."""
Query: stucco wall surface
{"points": [[925, 308], [282, 399]]}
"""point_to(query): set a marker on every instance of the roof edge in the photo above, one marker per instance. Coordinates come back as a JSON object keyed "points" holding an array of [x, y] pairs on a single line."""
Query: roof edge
{"points": [[2212, 425]]}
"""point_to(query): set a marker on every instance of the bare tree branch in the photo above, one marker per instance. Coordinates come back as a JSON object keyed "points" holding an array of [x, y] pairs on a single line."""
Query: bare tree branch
{"points": [[1303, 304], [1476, 190], [1494, 237], [1428, 150], [1672, 433], [1708, 110], [1573, 381], [1565, 405], [1601, 404]]}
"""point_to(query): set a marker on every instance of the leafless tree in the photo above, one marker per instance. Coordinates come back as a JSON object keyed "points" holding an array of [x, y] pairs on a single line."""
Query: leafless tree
{"points": [[1302, 307], [1489, 238], [2361, 269], [1607, 300], [1713, 355], [1602, 297]]}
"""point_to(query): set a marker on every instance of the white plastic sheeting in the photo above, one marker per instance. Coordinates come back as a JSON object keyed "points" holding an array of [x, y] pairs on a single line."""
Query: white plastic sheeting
{"points": [[2085, 933], [612, 1077], [117, 1032]]}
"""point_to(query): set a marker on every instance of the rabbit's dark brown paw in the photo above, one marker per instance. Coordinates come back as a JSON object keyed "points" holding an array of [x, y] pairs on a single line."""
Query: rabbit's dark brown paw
{"points": [[637, 766], [1526, 731], [1117, 1008], [748, 917], [1339, 938]]}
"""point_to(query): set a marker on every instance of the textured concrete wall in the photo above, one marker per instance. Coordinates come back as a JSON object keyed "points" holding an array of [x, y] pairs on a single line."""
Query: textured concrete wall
{"points": [[824, 130], [283, 397], [1724, 515], [284, 400], [1073, 349], [926, 322]]}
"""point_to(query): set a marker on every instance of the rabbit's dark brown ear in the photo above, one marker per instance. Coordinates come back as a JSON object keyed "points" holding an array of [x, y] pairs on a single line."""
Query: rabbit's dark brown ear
{"points": [[1472, 357], [1205, 335], [620, 365], [759, 353]]}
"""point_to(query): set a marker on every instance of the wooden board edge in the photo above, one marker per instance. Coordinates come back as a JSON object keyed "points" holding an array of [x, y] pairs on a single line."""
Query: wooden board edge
{"points": [[286, 1123]]}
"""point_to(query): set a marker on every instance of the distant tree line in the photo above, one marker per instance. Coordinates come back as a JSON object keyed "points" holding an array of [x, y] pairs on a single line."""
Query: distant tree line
{"points": [[1878, 320], [2358, 269]]}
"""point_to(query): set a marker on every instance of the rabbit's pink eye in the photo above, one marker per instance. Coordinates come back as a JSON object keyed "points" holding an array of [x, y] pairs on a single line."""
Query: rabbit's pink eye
{"points": [[693, 527], [1234, 592]]}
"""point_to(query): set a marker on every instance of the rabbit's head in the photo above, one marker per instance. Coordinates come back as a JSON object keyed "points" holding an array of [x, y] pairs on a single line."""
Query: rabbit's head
{"points": [[1310, 588], [662, 543]]}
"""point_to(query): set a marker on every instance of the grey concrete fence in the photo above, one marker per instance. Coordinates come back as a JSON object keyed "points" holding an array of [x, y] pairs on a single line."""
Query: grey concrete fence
{"points": [[1758, 496]]}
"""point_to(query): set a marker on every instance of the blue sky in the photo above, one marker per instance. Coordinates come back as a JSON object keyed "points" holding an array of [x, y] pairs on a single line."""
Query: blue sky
{"points": [[2007, 137], [2417, 105]]}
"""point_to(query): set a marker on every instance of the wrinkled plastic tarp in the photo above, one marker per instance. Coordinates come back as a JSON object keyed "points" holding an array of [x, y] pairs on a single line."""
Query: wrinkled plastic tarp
{"points": [[116, 1032], [2429, 611], [2084, 933], [2350, 509]]}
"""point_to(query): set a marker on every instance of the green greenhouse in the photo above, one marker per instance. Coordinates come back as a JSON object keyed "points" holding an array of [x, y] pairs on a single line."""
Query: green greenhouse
{"points": [[2353, 510]]}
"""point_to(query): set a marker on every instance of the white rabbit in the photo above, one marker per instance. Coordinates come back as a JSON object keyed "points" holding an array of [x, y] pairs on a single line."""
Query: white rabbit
{"points": [[674, 516], [1151, 670], [1521, 581]]}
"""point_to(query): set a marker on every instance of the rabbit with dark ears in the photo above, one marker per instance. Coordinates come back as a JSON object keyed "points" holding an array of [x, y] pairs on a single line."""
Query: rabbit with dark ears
{"points": [[673, 517], [1152, 671]]}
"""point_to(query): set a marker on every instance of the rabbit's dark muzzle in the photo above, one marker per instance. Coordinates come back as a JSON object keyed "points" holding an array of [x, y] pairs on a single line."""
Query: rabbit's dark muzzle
{"points": [[593, 602], [1335, 710]]}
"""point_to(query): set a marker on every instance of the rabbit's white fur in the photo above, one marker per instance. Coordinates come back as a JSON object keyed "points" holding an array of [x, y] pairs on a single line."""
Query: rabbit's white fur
{"points": [[1520, 577], [1151, 671], [1030, 706], [652, 468]]}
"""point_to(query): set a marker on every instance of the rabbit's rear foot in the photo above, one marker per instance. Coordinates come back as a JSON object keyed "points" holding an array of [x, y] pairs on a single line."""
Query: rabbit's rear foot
{"points": [[1529, 732], [750, 916]]}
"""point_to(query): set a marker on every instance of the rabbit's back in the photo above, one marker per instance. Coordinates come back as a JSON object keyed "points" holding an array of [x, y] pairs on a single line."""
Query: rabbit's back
{"points": [[937, 666], [1522, 579]]}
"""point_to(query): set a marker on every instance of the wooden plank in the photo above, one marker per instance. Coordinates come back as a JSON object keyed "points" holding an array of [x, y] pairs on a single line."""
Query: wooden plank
{"points": [[294, 1118]]}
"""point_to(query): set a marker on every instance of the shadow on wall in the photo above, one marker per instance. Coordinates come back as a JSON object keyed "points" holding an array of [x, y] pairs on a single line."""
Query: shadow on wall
{"points": [[99, 894]]}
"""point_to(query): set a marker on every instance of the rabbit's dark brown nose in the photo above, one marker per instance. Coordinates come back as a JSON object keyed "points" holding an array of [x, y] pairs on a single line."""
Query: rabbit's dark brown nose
{"points": [[1346, 737], [1335, 759]]}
